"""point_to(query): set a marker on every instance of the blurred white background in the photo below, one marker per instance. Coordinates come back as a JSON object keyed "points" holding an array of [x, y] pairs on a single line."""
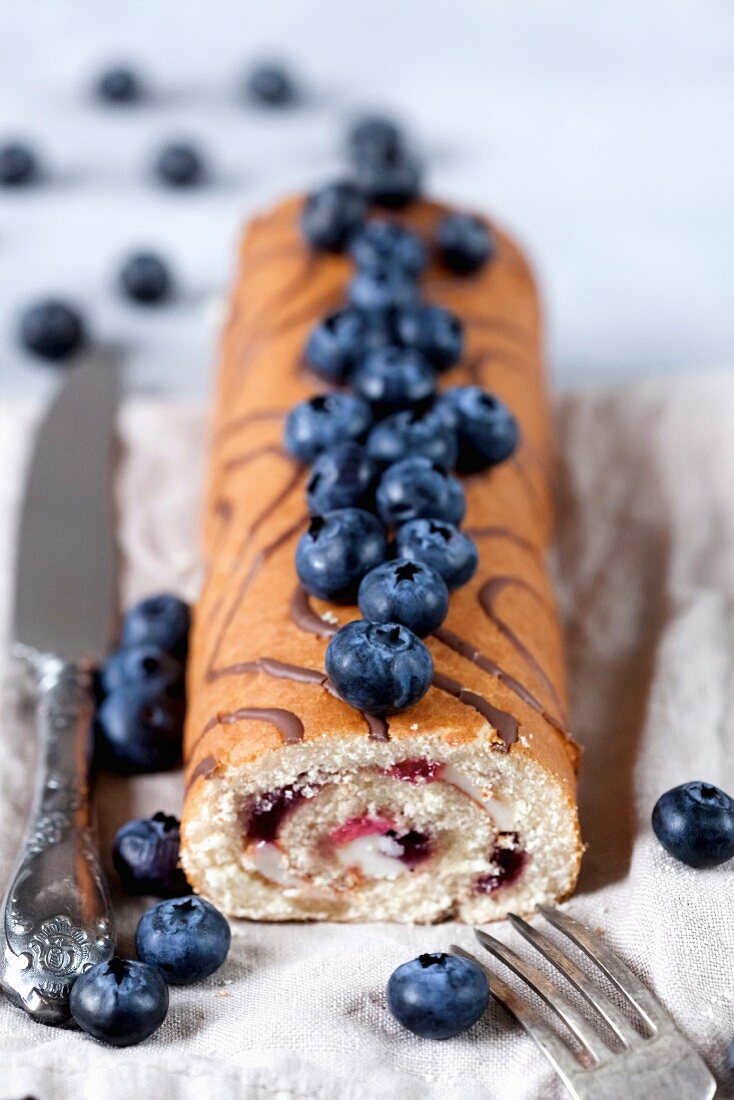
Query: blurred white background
{"points": [[601, 133]]}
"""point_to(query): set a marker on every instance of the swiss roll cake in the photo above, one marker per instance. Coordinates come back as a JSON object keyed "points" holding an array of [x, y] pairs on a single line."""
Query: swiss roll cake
{"points": [[377, 722]]}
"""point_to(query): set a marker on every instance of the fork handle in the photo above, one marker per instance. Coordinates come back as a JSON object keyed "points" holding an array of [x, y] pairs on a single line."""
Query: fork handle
{"points": [[56, 915]]}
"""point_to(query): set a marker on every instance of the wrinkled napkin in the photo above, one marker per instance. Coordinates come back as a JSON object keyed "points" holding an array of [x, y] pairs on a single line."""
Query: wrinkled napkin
{"points": [[645, 566]]}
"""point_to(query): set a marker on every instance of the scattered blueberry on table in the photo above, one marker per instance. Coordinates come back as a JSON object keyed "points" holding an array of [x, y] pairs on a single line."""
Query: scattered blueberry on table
{"points": [[162, 620], [180, 165], [332, 215], [120, 1002], [146, 278], [119, 85], [186, 939], [375, 138], [145, 854], [52, 329], [18, 165], [695, 823], [139, 665], [269, 84], [417, 488], [379, 668], [390, 183], [139, 730], [341, 477], [322, 421], [337, 550], [438, 996], [406, 592], [464, 243]]}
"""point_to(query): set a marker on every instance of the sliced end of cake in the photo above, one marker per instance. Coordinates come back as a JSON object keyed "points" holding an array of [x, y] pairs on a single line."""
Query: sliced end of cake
{"points": [[415, 830]]}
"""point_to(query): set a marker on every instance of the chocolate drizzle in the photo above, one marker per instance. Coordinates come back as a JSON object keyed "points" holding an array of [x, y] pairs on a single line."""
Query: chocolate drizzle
{"points": [[250, 456], [206, 767], [279, 670], [507, 726], [488, 593], [289, 724], [470, 653], [305, 618], [234, 426]]}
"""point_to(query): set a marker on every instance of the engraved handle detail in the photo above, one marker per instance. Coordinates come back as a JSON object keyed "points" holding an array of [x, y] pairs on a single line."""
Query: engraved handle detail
{"points": [[56, 916]]}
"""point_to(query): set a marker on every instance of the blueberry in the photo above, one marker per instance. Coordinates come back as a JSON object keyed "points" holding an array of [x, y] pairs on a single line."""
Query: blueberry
{"points": [[390, 183], [337, 550], [180, 165], [120, 1002], [416, 488], [139, 730], [413, 432], [145, 854], [464, 243], [18, 165], [393, 378], [380, 668], [336, 343], [441, 545], [52, 330], [438, 996], [382, 288], [322, 421], [119, 85], [162, 620], [332, 215], [145, 278], [434, 331], [486, 429], [187, 939], [375, 138], [271, 85], [341, 477], [406, 592], [695, 823], [383, 242], [142, 665]]}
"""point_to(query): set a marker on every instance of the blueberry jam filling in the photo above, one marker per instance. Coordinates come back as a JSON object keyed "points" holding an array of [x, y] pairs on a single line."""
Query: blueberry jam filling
{"points": [[510, 862], [416, 846], [264, 814], [416, 771]]}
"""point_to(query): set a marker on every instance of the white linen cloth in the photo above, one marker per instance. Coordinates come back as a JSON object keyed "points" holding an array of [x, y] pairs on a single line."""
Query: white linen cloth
{"points": [[645, 563]]}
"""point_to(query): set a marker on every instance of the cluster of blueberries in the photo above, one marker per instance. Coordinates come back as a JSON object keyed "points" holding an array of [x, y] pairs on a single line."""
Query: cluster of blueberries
{"points": [[55, 329], [139, 727], [382, 445]]}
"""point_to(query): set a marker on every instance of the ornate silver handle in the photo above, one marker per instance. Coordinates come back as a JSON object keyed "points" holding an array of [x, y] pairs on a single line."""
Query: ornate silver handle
{"points": [[56, 914]]}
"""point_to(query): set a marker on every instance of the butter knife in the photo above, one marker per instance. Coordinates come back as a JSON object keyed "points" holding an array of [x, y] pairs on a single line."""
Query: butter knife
{"points": [[56, 919]]}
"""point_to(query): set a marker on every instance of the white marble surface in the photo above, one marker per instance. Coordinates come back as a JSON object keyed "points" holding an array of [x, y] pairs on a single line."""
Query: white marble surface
{"points": [[600, 132]]}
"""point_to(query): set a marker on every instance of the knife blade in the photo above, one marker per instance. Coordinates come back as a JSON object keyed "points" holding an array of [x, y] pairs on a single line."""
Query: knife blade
{"points": [[56, 915]]}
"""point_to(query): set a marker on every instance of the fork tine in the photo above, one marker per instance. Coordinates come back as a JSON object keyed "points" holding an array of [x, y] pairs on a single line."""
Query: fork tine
{"points": [[570, 1016], [560, 1056], [575, 975], [625, 980]]}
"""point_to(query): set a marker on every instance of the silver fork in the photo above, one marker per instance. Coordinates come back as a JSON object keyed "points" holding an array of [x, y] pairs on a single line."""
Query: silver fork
{"points": [[660, 1065]]}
